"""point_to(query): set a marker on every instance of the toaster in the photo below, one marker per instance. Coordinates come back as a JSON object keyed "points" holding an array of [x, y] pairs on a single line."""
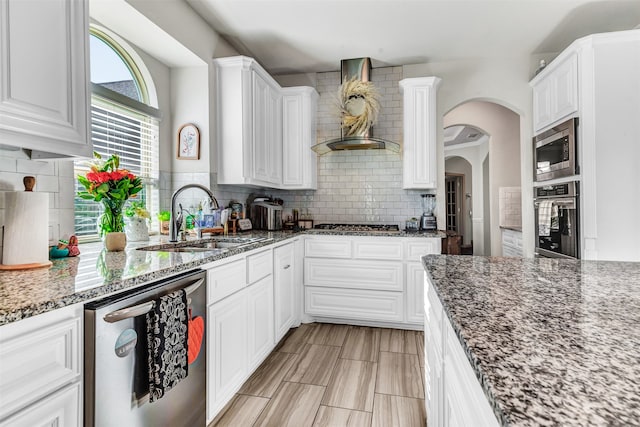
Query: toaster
{"points": [[266, 215]]}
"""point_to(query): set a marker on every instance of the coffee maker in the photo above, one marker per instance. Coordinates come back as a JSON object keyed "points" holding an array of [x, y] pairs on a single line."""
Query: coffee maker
{"points": [[428, 219]]}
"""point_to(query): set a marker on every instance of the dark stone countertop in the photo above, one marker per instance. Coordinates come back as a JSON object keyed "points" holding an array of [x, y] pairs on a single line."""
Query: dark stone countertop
{"points": [[97, 273], [553, 342]]}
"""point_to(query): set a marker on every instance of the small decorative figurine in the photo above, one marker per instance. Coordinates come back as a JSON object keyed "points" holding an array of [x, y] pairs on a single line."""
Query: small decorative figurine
{"points": [[65, 248]]}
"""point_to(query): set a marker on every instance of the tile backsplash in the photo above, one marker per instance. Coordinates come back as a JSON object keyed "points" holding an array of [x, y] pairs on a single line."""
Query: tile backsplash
{"points": [[510, 206], [353, 186]]}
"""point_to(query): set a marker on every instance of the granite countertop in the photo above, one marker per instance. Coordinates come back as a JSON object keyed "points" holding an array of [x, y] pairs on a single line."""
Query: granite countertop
{"points": [[97, 273], [553, 342]]}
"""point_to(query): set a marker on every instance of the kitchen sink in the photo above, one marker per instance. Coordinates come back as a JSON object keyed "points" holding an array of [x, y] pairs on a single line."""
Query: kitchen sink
{"points": [[219, 244]]}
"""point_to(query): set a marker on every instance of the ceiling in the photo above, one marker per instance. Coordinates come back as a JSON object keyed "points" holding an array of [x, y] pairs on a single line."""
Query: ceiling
{"points": [[461, 134], [296, 36]]}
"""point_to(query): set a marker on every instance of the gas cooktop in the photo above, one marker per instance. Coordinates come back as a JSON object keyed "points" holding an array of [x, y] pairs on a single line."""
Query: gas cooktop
{"points": [[392, 228]]}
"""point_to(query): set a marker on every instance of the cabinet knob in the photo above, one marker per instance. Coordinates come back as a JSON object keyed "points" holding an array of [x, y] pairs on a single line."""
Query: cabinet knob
{"points": [[287, 266]]}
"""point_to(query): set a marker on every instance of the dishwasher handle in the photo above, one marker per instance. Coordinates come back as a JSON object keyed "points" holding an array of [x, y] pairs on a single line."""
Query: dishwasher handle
{"points": [[144, 308]]}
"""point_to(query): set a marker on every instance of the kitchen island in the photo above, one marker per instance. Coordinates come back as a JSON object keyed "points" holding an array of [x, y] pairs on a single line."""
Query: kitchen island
{"points": [[549, 341]]}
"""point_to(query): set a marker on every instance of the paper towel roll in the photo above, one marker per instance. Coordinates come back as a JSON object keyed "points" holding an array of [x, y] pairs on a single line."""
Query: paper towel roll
{"points": [[26, 228]]}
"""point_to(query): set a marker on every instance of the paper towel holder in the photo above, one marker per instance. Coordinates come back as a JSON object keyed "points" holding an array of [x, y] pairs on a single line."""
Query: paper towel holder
{"points": [[29, 182]]}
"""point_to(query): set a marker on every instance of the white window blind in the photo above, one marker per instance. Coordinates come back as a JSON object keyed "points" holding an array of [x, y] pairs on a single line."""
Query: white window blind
{"points": [[133, 135]]}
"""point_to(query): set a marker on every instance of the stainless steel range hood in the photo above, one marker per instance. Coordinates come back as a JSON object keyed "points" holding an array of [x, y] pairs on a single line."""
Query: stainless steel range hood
{"points": [[361, 69]]}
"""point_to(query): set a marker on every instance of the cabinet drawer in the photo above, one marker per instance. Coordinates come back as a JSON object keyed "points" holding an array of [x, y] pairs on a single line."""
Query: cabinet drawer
{"points": [[416, 250], [377, 250], [259, 266], [327, 248], [60, 409], [354, 304], [353, 274], [224, 280], [38, 362]]}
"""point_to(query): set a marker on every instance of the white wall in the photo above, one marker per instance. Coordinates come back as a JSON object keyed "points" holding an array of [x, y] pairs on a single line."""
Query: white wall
{"points": [[190, 104], [501, 80], [502, 126]]}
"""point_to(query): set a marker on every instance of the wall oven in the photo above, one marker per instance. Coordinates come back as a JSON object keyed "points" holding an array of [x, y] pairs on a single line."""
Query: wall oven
{"points": [[557, 209], [555, 152]]}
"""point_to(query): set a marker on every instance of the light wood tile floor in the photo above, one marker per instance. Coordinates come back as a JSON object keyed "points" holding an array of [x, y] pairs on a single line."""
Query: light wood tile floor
{"points": [[333, 376]]}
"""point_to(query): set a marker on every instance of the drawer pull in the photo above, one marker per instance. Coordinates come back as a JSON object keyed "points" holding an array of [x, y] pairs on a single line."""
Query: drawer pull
{"points": [[286, 266]]}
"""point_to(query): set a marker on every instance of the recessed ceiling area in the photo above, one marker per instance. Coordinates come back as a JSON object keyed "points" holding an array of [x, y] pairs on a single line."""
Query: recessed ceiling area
{"points": [[298, 36], [461, 134]]}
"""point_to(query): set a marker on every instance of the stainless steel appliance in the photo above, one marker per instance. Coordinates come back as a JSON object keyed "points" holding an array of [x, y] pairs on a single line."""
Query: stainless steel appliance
{"points": [[266, 215], [555, 152], [116, 362], [428, 219], [563, 239], [356, 228]]}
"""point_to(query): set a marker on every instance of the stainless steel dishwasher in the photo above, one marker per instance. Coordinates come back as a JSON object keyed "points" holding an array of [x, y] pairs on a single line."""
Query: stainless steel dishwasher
{"points": [[116, 360]]}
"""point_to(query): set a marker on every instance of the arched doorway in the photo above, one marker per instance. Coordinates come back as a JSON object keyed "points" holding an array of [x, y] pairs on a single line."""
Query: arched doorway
{"points": [[493, 151]]}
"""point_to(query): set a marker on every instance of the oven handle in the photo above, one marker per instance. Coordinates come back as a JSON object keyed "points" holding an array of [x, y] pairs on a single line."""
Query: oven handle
{"points": [[565, 203], [144, 308]]}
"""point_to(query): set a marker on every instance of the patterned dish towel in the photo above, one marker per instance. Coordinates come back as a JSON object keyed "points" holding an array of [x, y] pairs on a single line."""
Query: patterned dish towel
{"points": [[167, 343], [547, 218]]}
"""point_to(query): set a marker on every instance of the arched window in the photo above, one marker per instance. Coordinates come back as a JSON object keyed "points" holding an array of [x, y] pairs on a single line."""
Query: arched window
{"points": [[123, 122]]}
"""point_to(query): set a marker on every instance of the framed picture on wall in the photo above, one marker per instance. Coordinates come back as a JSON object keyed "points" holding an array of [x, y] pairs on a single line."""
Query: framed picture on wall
{"points": [[188, 142]]}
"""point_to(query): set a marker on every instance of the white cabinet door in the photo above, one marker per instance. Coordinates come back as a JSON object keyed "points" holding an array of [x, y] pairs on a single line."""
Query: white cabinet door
{"points": [[61, 409], [249, 123], [261, 341], [419, 146], [37, 356], [555, 93], [274, 136], [299, 164], [415, 293], [44, 96], [284, 289], [267, 130], [261, 128], [226, 350]]}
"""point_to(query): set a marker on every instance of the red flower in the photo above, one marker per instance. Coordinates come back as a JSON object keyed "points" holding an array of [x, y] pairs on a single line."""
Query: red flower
{"points": [[98, 177]]}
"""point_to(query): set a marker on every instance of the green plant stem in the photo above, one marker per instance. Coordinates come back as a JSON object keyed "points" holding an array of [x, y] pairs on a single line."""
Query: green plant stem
{"points": [[111, 220]]}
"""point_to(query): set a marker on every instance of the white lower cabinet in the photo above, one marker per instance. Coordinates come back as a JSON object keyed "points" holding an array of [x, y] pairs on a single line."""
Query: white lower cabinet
{"points": [[375, 306], [284, 279], [453, 395], [61, 409], [40, 358], [240, 323], [371, 279], [227, 350], [415, 292], [261, 326]]}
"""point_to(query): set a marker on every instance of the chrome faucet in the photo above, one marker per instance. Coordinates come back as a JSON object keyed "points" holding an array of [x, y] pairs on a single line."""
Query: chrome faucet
{"points": [[176, 220]]}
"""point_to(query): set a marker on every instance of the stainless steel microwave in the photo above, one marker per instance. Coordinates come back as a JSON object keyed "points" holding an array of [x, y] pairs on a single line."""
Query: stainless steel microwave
{"points": [[555, 153]]}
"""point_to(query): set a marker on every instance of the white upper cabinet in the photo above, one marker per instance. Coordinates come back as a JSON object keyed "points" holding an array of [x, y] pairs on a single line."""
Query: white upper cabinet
{"points": [[264, 132], [555, 93], [44, 95], [299, 167], [419, 145], [249, 124]]}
